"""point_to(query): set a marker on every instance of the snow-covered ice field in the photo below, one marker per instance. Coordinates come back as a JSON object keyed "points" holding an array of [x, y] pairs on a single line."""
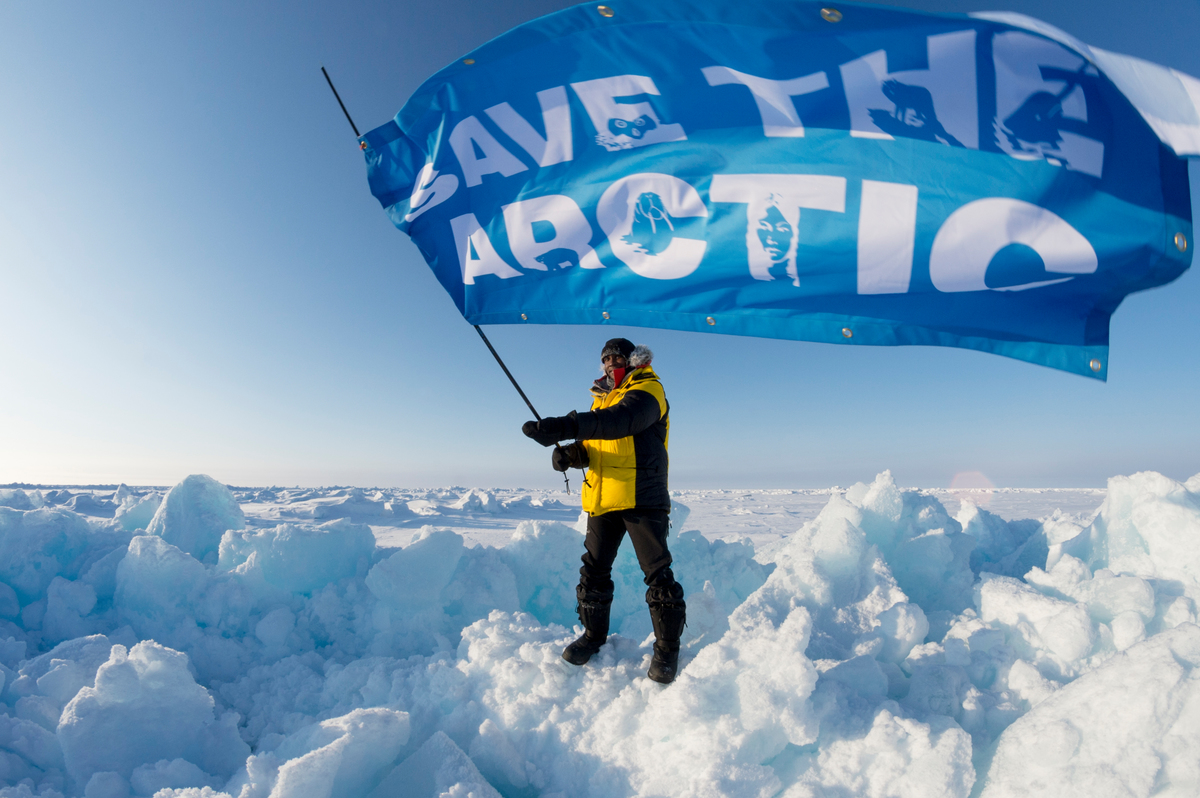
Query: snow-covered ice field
{"points": [[208, 641]]}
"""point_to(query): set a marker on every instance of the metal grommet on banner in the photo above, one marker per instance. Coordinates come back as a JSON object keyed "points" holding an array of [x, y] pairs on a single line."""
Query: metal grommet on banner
{"points": [[362, 145], [847, 332], [468, 61], [711, 321], [831, 15], [1181, 242], [524, 317], [1096, 365], [605, 314], [605, 11]]}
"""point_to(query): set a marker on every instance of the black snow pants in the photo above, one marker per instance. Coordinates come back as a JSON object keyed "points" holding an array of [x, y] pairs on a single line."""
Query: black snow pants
{"points": [[648, 531]]}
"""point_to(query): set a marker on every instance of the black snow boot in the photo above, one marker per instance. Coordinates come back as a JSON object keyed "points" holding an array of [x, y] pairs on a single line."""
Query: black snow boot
{"points": [[593, 608], [669, 614]]}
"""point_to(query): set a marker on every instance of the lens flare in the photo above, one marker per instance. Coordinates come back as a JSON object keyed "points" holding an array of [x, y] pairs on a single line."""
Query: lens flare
{"points": [[972, 486]]}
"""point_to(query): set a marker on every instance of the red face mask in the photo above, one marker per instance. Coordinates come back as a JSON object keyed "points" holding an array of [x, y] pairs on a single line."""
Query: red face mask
{"points": [[618, 375]]}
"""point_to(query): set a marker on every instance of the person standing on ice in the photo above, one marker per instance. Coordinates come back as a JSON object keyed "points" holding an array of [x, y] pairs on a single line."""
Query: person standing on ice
{"points": [[622, 442]]}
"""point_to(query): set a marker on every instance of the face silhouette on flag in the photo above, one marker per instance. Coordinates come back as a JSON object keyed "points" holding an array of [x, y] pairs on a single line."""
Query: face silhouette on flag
{"points": [[772, 246]]}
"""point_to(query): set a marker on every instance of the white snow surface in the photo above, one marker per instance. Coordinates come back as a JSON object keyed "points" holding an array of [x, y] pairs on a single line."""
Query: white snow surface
{"points": [[205, 642]]}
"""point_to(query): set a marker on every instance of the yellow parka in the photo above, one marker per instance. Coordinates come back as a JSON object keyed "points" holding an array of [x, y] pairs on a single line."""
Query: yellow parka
{"points": [[625, 437]]}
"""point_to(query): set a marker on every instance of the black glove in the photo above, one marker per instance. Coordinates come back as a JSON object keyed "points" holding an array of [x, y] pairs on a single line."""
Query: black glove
{"points": [[560, 459], [570, 456], [550, 431]]}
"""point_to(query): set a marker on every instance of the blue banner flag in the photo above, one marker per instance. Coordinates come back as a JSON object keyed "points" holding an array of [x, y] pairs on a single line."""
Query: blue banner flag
{"points": [[779, 168]]}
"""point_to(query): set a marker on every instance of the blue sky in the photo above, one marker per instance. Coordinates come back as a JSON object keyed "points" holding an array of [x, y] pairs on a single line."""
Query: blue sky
{"points": [[196, 280]]}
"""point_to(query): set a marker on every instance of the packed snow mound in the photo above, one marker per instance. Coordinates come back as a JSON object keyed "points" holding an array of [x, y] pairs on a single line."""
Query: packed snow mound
{"points": [[15, 498], [439, 767], [297, 558], [136, 512], [885, 648], [478, 501], [146, 707], [195, 514], [341, 756], [1089, 739], [1148, 526], [354, 504]]}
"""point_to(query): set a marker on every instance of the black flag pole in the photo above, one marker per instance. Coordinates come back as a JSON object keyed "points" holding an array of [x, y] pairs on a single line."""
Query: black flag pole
{"points": [[511, 379], [491, 348], [338, 97]]}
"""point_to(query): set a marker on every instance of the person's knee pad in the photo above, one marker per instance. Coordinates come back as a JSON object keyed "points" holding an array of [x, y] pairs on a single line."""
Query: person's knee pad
{"points": [[591, 594], [665, 594]]}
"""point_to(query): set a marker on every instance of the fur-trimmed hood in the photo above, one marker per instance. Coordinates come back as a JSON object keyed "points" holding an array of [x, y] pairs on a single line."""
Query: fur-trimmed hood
{"points": [[640, 356]]}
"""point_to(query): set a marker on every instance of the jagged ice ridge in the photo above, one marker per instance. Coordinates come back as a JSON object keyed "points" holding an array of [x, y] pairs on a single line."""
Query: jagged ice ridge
{"points": [[883, 649]]}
